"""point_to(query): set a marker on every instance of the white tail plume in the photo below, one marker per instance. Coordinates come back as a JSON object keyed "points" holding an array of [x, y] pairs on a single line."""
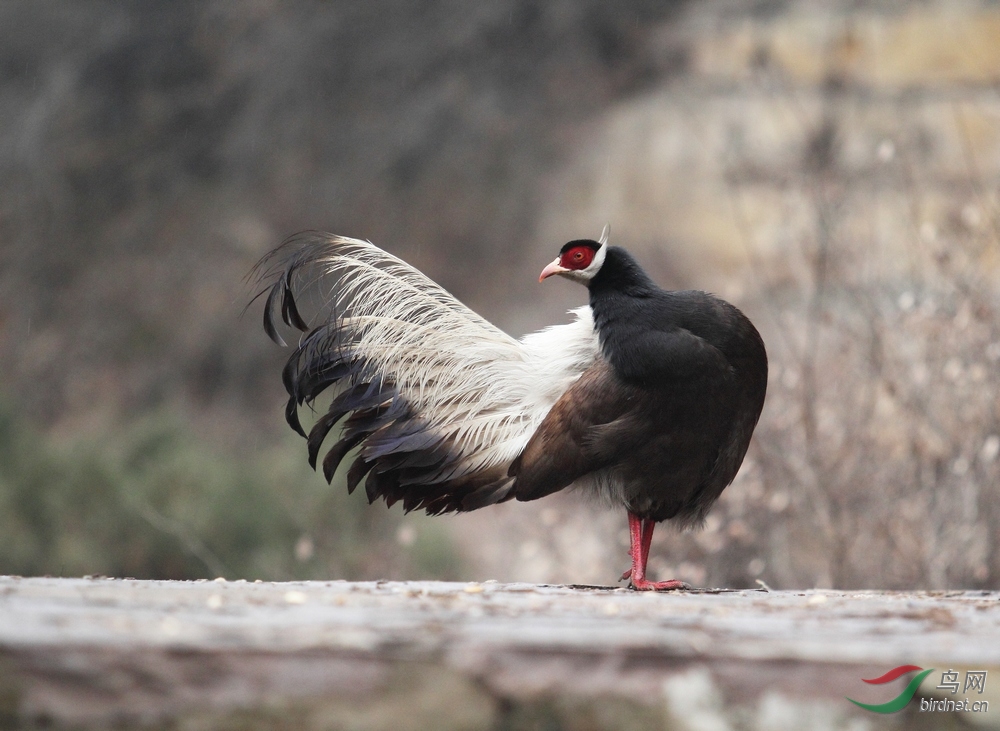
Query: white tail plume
{"points": [[442, 400]]}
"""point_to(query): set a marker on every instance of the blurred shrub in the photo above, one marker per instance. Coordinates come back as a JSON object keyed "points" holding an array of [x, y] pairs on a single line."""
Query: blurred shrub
{"points": [[151, 502]]}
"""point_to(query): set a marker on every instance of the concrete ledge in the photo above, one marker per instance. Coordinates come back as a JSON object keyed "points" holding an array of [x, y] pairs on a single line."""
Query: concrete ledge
{"points": [[92, 652]]}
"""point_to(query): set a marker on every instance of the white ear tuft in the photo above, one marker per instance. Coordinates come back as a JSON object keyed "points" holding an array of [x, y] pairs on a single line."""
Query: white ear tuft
{"points": [[605, 234], [598, 262]]}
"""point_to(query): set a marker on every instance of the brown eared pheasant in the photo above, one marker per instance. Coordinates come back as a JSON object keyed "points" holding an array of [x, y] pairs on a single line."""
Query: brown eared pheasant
{"points": [[646, 400]]}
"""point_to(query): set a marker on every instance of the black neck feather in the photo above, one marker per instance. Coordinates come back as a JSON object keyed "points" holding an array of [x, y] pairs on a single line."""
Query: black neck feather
{"points": [[621, 274]]}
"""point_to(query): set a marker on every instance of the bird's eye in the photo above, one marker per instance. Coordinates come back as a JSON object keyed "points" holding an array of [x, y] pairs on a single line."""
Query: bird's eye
{"points": [[577, 258]]}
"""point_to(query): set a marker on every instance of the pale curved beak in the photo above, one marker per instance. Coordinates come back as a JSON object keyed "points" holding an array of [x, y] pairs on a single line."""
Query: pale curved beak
{"points": [[551, 269]]}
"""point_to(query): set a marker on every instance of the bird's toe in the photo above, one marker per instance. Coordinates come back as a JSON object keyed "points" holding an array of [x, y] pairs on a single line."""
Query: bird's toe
{"points": [[644, 585]]}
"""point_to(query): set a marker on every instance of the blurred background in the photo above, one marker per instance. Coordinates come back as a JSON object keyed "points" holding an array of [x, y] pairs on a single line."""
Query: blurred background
{"points": [[833, 168]]}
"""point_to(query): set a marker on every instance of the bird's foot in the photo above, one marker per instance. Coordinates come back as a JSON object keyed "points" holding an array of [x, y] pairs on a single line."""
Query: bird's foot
{"points": [[626, 575], [645, 585]]}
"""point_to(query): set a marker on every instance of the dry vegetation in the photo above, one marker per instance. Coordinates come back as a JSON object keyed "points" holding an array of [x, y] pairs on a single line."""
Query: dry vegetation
{"points": [[876, 462]]}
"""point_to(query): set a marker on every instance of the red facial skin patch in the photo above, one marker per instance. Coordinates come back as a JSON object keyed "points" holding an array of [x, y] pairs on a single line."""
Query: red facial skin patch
{"points": [[579, 257]]}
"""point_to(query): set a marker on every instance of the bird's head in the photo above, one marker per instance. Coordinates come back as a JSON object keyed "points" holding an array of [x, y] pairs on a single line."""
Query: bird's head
{"points": [[579, 260]]}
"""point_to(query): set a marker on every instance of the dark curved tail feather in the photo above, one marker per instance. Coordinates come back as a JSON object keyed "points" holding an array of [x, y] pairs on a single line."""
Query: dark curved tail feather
{"points": [[401, 456]]}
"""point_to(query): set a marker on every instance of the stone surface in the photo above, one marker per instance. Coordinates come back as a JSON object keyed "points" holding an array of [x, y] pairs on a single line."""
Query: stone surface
{"points": [[93, 652]]}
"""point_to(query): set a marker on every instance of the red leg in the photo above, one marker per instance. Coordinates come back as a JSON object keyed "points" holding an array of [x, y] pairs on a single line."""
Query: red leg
{"points": [[641, 532], [635, 532], [647, 539]]}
